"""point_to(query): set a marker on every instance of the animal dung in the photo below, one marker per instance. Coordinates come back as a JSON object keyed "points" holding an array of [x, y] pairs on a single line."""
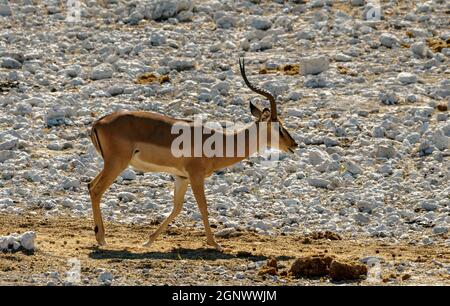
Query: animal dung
{"points": [[320, 266], [288, 69], [149, 77]]}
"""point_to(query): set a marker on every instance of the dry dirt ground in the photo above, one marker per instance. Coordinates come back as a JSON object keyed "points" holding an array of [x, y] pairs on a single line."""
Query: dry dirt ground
{"points": [[180, 256]]}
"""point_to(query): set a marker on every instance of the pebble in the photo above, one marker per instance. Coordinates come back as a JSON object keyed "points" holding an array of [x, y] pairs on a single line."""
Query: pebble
{"points": [[388, 97], [9, 63], [260, 23], [105, 276], [407, 78], [102, 71], [313, 65], [388, 40], [15, 241]]}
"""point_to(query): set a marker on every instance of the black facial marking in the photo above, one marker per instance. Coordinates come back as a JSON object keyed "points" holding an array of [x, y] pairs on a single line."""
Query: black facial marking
{"points": [[96, 229]]}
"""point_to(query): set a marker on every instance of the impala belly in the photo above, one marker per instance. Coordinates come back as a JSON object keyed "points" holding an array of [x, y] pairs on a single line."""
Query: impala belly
{"points": [[148, 158]]}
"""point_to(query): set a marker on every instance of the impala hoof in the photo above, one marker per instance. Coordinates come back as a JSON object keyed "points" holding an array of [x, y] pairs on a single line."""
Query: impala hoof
{"points": [[147, 244], [102, 242], [216, 246]]}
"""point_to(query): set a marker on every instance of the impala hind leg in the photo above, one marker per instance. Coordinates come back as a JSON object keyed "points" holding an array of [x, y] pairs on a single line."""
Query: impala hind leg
{"points": [[97, 188], [198, 187], [181, 185]]}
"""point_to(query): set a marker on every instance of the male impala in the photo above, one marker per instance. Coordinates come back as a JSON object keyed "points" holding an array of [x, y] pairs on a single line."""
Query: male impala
{"points": [[144, 140]]}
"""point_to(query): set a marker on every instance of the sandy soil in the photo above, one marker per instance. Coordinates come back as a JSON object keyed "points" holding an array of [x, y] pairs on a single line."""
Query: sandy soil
{"points": [[180, 256]]}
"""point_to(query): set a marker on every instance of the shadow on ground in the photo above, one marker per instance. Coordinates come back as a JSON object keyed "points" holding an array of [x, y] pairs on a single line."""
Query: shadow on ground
{"points": [[178, 254]]}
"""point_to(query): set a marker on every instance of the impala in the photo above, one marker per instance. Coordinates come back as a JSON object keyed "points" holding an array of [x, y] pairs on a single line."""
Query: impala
{"points": [[144, 140]]}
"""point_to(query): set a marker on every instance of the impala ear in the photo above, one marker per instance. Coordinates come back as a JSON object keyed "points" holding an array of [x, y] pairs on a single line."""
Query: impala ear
{"points": [[255, 110], [265, 116]]}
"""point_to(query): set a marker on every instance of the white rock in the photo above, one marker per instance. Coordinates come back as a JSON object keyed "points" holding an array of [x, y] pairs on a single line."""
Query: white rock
{"points": [[10, 63], [102, 71], [23, 108], [9, 144], [440, 141], [352, 167], [427, 241], [157, 39], [361, 218], [314, 65], [438, 230], [71, 183], [27, 240], [420, 49], [388, 97], [181, 65], [5, 155], [116, 89], [316, 81], [318, 182], [5, 10], [126, 196], [388, 40], [429, 205], [260, 23], [366, 206], [226, 232], [357, 2], [165, 9], [105, 276], [226, 22], [341, 57], [316, 157], [128, 175], [385, 151], [135, 18], [407, 78]]}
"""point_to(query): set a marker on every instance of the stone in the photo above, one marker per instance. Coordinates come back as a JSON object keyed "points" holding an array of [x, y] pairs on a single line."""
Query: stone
{"points": [[385, 151], [361, 218], [340, 57], [116, 90], [388, 97], [388, 40], [27, 240], [135, 18], [440, 141], [5, 155], [260, 23], [10, 63], [420, 49], [407, 78], [439, 230], [5, 10], [318, 182], [105, 276], [128, 175], [102, 71], [226, 22], [314, 65], [429, 205], [181, 65]]}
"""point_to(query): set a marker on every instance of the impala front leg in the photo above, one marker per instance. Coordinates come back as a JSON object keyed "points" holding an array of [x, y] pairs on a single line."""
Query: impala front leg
{"points": [[198, 187], [181, 185]]}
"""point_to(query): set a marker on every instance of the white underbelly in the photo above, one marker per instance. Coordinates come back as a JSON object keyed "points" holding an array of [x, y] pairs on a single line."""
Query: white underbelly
{"points": [[149, 167]]}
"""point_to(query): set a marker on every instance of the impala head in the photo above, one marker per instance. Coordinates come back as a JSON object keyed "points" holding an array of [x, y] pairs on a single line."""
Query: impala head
{"points": [[285, 141]]}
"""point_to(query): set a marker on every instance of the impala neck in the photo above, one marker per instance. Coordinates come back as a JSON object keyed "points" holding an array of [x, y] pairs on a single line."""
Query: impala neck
{"points": [[250, 135]]}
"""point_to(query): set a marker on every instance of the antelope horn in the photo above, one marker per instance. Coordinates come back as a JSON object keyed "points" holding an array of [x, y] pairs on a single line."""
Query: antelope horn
{"points": [[265, 93]]}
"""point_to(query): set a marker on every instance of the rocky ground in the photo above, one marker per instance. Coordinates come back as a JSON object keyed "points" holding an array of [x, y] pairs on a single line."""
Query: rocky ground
{"points": [[368, 106]]}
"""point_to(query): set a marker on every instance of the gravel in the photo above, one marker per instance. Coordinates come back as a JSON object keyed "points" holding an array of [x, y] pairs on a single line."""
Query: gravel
{"points": [[367, 108]]}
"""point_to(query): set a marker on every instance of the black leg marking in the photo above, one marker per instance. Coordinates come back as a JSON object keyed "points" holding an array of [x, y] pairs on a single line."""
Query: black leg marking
{"points": [[96, 229]]}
